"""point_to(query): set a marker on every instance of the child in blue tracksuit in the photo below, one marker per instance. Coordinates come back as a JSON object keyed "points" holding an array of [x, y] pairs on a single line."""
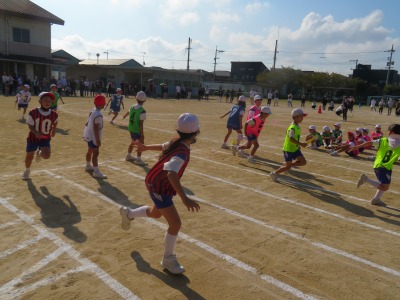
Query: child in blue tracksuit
{"points": [[234, 122]]}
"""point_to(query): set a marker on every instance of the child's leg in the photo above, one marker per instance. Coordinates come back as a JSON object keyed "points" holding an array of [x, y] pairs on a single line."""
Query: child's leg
{"points": [[288, 165], [227, 135], [29, 158], [115, 116], [45, 152], [239, 136], [256, 145], [95, 155], [89, 156], [174, 225], [300, 161]]}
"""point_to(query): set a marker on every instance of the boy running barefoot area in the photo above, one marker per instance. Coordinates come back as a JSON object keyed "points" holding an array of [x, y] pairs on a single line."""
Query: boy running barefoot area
{"points": [[163, 183], [137, 116], [42, 122], [252, 129], [388, 152], [92, 135], [116, 101], [234, 122], [291, 147]]}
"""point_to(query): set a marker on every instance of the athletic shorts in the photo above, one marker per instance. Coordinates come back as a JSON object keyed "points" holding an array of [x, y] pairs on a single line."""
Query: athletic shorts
{"points": [[22, 105], [383, 175], [350, 153], [115, 108], [91, 145], [135, 136], [233, 127], [161, 201], [33, 146], [251, 137], [290, 156]]}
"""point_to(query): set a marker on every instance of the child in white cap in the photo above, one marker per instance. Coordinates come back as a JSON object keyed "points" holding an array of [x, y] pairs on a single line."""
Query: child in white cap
{"points": [[163, 183], [326, 135], [337, 135], [22, 99], [377, 134], [117, 100], [234, 122], [314, 138], [291, 147]]}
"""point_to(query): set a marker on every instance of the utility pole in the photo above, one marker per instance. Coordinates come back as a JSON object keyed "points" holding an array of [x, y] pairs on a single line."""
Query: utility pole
{"points": [[354, 60], [188, 48], [106, 52], [215, 58], [389, 63], [276, 50], [143, 58]]}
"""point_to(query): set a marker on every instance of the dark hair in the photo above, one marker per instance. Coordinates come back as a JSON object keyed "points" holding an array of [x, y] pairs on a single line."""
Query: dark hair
{"points": [[176, 141], [395, 128]]}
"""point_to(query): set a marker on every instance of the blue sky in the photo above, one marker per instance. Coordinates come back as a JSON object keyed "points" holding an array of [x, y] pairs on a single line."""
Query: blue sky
{"points": [[313, 35]]}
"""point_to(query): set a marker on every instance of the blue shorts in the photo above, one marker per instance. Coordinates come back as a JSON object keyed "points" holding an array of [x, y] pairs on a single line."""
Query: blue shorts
{"points": [[91, 145], [233, 127], [290, 156], [383, 175], [22, 105], [115, 108], [161, 201], [33, 146], [135, 136], [251, 137]]}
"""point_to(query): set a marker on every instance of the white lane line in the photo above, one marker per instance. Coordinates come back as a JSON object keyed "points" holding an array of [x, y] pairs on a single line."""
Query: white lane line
{"points": [[285, 232], [21, 246], [113, 284], [186, 237], [41, 283], [9, 224]]}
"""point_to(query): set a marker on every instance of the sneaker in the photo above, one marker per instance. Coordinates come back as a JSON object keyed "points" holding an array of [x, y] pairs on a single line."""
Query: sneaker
{"points": [[372, 157], [140, 162], [241, 154], [274, 176], [234, 150], [224, 146], [126, 221], [171, 264], [38, 155], [111, 122], [98, 174], [362, 180], [89, 168], [378, 202], [334, 153], [25, 175], [251, 159], [130, 158]]}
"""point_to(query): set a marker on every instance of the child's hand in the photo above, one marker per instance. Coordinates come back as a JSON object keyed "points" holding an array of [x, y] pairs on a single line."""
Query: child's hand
{"points": [[191, 204], [138, 145], [303, 145]]}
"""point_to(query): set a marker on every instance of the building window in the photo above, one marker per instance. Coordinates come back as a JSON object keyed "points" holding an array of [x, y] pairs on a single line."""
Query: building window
{"points": [[21, 35]]}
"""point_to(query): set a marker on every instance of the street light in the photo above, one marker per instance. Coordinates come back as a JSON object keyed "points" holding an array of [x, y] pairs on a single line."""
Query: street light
{"points": [[143, 58], [97, 54], [215, 58], [106, 53]]}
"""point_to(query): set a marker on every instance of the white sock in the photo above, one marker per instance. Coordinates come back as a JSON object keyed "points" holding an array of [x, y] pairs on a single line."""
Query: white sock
{"points": [[169, 244], [139, 212], [378, 194], [373, 183], [239, 138]]}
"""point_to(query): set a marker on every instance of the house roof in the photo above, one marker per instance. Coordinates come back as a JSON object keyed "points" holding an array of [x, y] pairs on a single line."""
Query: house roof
{"points": [[28, 9], [112, 62], [65, 57]]}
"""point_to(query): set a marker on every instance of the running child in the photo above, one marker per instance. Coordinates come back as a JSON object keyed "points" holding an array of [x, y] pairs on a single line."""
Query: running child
{"points": [[22, 99], [42, 122], [347, 146], [57, 96], [252, 129], [291, 147], [163, 183], [234, 122], [116, 101], [387, 154], [137, 116], [92, 135], [314, 138]]}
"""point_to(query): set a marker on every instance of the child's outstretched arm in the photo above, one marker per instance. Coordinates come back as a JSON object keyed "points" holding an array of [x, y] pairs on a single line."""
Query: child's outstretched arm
{"points": [[176, 184], [224, 114], [143, 147]]}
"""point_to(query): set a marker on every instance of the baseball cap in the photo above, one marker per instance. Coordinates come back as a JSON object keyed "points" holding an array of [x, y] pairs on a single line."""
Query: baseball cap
{"points": [[188, 123], [359, 129], [141, 96], [42, 94], [312, 127], [242, 98], [366, 129], [266, 110], [338, 125], [27, 86], [297, 112], [99, 100], [326, 128], [257, 97], [118, 90], [53, 85], [378, 126], [350, 133]]}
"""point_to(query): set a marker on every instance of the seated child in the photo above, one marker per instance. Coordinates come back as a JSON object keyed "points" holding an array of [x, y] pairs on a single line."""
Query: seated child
{"points": [[366, 137], [347, 146], [314, 138], [326, 135], [359, 138], [377, 134], [336, 135], [313, 105]]}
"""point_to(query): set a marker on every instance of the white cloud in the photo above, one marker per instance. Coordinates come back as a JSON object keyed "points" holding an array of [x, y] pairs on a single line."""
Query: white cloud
{"points": [[256, 6], [220, 17]]}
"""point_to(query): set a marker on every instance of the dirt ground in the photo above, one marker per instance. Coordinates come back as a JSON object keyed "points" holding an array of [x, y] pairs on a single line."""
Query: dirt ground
{"points": [[313, 235]]}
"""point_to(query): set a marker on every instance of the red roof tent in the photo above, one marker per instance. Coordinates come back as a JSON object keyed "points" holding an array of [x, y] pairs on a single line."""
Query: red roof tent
{"points": [[28, 9]]}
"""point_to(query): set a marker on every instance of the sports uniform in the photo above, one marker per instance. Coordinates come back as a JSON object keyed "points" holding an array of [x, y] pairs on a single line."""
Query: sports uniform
{"points": [[116, 103], [95, 117], [23, 98], [43, 122]]}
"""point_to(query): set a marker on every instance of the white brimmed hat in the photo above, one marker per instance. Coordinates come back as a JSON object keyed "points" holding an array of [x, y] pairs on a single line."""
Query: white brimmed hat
{"points": [[312, 127], [242, 98], [326, 128], [378, 126], [297, 112], [188, 123], [257, 97], [266, 110], [141, 96], [338, 125]]}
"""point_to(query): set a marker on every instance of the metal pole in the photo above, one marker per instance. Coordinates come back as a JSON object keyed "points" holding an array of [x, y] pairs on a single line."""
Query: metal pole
{"points": [[390, 64]]}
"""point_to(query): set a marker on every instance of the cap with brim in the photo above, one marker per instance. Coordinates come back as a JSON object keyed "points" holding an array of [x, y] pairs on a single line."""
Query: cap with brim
{"points": [[338, 125], [359, 129], [242, 98], [257, 97], [141, 96], [99, 100], [350, 133], [297, 112], [366, 129], [27, 86], [53, 85], [312, 127], [188, 123], [326, 128], [266, 110], [378, 126], [42, 94]]}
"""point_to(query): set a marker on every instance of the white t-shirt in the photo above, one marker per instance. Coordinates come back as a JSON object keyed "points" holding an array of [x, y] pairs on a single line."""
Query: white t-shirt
{"points": [[95, 117], [24, 97]]}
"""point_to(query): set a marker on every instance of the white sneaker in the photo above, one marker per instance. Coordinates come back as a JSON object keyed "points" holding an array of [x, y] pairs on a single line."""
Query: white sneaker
{"points": [[234, 150], [362, 180], [126, 221], [334, 153], [241, 154], [38, 155], [251, 159], [130, 158], [98, 174], [224, 146], [378, 202], [171, 264], [140, 162], [274, 176], [25, 175], [89, 168]]}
